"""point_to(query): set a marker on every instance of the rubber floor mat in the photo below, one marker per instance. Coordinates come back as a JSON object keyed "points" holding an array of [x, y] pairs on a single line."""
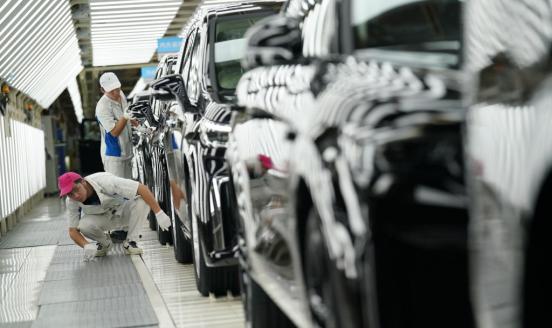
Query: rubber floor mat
{"points": [[37, 232], [104, 292]]}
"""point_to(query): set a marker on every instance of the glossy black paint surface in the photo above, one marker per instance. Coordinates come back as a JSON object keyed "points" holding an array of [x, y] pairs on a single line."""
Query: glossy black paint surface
{"points": [[205, 117], [371, 140], [508, 157]]}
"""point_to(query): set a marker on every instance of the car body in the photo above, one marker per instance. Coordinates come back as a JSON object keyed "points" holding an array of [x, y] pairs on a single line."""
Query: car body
{"points": [[208, 66], [508, 153], [153, 149], [347, 164]]}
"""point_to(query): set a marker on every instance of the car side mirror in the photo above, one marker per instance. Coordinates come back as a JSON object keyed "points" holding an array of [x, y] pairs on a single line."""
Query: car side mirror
{"points": [[162, 95], [274, 40], [174, 85], [142, 110]]}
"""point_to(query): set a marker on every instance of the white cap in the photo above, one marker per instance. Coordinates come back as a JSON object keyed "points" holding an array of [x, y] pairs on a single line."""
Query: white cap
{"points": [[109, 81]]}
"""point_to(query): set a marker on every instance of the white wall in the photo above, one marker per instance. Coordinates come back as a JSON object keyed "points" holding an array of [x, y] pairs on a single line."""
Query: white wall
{"points": [[22, 164]]}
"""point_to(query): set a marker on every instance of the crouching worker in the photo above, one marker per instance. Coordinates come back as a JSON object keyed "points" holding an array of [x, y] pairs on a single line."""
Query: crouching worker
{"points": [[101, 201]]}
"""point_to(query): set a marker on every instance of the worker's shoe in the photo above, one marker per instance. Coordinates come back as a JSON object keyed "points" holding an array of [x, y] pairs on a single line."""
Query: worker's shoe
{"points": [[102, 249], [131, 248]]}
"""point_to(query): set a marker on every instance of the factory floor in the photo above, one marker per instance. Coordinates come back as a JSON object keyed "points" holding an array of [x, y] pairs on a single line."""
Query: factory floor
{"points": [[44, 282]]}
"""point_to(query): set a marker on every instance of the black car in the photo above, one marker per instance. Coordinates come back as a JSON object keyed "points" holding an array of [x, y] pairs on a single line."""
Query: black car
{"points": [[508, 147], [153, 152], [208, 70], [348, 169]]}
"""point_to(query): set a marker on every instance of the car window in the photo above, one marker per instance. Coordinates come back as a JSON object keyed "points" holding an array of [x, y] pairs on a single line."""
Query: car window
{"points": [[380, 23], [230, 48]]}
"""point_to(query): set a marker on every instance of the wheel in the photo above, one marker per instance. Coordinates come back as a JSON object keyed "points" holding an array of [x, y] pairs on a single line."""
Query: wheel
{"points": [[183, 250], [260, 310], [332, 301], [165, 237], [162, 183], [182, 247], [216, 280]]}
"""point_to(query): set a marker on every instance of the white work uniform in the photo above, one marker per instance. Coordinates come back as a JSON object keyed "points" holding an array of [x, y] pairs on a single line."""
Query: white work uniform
{"points": [[119, 207], [116, 152]]}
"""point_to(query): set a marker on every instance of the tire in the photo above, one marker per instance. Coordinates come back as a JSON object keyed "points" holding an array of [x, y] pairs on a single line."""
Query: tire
{"points": [[182, 246], [165, 195], [165, 237], [152, 222], [332, 300], [215, 280], [260, 310]]}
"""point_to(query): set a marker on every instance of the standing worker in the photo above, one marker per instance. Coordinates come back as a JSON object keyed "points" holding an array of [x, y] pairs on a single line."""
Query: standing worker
{"points": [[111, 112], [101, 201], [116, 147]]}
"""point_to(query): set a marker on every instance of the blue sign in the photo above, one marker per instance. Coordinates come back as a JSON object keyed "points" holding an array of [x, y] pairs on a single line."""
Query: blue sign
{"points": [[148, 72], [169, 44]]}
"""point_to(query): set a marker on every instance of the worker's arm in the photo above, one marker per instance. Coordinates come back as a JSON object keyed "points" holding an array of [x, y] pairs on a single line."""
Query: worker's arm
{"points": [[148, 197], [119, 127], [77, 237]]}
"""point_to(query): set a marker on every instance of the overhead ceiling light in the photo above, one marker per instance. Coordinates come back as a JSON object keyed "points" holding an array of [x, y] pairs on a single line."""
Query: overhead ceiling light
{"points": [[39, 48], [126, 2], [49, 21], [123, 35], [141, 23], [126, 15], [74, 93], [130, 11], [145, 19]]}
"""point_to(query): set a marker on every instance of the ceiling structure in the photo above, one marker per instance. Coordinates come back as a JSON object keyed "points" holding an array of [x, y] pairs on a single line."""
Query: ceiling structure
{"points": [[135, 44], [47, 46], [126, 31], [39, 52]]}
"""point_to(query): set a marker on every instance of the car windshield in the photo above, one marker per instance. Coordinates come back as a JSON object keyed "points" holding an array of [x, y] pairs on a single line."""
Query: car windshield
{"points": [[424, 24], [230, 48]]}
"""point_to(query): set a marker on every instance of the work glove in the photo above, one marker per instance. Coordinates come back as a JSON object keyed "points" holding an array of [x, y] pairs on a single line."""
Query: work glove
{"points": [[89, 251], [163, 220], [128, 115]]}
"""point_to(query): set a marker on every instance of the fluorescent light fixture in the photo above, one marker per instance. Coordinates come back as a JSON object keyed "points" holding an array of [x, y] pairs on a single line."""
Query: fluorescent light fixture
{"points": [[122, 37], [128, 15], [126, 32], [39, 52], [74, 93], [134, 8], [144, 19], [125, 2]]}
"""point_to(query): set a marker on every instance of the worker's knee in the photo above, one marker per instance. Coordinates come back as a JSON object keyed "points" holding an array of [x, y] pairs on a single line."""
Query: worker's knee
{"points": [[140, 207], [89, 228]]}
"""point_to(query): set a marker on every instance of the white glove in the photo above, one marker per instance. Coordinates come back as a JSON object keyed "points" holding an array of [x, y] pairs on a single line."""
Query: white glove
{"points": [[163, 220], [90, 250], [128, 116]]}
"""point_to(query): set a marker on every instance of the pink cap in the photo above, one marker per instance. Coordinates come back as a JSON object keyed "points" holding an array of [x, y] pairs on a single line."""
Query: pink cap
{"points": [[66, 181]]}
